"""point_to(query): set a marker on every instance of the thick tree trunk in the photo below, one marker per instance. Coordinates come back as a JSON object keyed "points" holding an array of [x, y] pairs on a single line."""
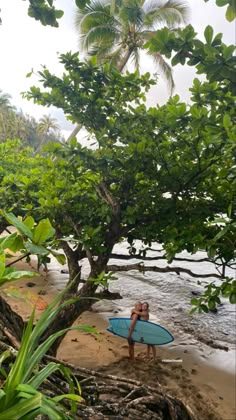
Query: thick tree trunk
{"points": [[74, 269], [68, 315], [10, 320]]}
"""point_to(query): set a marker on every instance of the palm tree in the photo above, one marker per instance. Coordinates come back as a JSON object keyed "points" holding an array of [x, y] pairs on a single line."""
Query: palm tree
{"points": [[116, 31], [47, 124], [5, 101]]}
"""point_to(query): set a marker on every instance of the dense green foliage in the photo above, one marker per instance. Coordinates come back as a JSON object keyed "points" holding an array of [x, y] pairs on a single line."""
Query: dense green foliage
{"points": [[159, 174], [163, 174]]}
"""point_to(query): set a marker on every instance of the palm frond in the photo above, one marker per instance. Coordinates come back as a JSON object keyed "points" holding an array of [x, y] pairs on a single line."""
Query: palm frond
{"points": [[131, 13], [97, 26], [136, 59], [165, 70], [102, 36], [172, 13]]}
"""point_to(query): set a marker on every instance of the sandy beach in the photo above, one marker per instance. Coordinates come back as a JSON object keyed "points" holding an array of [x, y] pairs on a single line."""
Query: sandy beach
{"points": [[196, 377]]}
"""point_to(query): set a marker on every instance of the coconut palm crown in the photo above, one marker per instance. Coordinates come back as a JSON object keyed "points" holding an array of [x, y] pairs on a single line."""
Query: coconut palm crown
{"points": [[116, 30]]}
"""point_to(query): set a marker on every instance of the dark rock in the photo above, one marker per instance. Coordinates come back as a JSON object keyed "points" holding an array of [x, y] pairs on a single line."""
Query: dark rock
{"points": [[30, 284], [64, 271], [42, 292], [195, 293]]}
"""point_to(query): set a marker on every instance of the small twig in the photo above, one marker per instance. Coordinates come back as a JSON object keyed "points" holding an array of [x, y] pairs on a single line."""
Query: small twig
{"points": [[11, 338], [18, 259]]}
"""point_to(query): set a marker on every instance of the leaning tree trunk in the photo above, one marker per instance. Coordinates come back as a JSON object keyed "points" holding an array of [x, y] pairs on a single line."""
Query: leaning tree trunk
{"points": [[68, 315], [10, 321]]}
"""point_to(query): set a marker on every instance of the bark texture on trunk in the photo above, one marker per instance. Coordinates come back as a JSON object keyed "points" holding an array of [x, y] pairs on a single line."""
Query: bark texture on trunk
{"points": [[10, 320]]}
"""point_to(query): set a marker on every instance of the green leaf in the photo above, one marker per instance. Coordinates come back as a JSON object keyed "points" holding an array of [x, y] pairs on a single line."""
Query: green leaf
{"points": [[39, 377], [72, 397], [232, 298], [81, 3], [204, 308], [17, 244], [227, 121], [58, 14], [22, 408], [208, 33], [36, 249], [2, 264], [29, 222], [15, 275], [20, 226], [7, 242], [43, 231], [230, 14], [222, 3], [194, 301], [211, 303], [60, 257]]}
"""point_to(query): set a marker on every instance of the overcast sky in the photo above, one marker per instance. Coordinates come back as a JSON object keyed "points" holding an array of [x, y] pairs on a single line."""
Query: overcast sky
{"points": [[26, 44]]}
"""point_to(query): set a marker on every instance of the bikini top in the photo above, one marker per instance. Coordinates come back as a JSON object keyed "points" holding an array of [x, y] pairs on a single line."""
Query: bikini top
{"points": [[133, 313]]}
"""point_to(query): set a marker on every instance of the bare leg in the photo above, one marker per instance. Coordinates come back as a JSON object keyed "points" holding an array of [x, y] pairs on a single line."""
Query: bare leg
{"points": [[131, 352], [154, 352], [148, 351]]}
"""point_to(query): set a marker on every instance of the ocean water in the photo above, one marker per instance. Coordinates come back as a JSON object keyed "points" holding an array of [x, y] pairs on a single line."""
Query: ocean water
{"points": [[169, 296]]}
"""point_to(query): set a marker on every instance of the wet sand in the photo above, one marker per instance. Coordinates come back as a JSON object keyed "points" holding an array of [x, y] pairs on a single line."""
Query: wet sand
{"points": [[198, 376]]}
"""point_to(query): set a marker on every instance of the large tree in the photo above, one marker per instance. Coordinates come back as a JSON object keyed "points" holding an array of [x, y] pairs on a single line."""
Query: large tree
{"points": [[160, 174]]}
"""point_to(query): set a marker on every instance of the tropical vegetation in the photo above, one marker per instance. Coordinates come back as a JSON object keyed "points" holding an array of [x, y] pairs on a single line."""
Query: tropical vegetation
{"points": [[16, 124], [161, 174], [117, 34]]}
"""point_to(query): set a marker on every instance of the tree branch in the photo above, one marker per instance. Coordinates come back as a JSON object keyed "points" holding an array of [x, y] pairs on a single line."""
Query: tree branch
{"points": [[18, 259], [139, 257], [141, 268]]}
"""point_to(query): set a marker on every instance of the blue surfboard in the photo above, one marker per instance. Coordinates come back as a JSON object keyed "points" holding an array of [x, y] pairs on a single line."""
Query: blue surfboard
{"points": [[145, 332]]}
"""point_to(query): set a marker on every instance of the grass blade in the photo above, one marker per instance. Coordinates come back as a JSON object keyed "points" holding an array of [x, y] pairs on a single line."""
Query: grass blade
{"points": [[34, 359]]}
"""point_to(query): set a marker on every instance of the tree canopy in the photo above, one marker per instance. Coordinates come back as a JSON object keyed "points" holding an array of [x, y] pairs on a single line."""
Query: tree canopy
{"points": [[171, 182]]}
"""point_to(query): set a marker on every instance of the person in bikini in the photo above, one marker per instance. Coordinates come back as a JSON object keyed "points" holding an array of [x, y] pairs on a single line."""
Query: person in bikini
{"points": [[144, 316], [135, 316]]}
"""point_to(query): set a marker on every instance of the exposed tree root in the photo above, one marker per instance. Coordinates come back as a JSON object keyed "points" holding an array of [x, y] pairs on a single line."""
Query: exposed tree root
{"points": [[111, 397]]}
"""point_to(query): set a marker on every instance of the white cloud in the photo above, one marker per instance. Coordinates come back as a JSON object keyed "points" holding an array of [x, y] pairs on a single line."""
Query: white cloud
{"points": [[26, 44]]}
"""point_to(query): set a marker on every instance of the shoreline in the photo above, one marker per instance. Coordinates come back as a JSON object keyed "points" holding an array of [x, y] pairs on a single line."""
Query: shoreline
{"points": [[203, 379]]}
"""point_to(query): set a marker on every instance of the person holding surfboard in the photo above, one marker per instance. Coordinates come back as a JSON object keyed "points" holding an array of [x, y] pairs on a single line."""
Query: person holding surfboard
{"points": [[134, 316], [143, 315]]}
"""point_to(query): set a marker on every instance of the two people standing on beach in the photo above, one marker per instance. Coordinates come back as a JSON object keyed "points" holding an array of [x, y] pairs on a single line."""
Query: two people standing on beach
{"points": [[139, 312]]}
